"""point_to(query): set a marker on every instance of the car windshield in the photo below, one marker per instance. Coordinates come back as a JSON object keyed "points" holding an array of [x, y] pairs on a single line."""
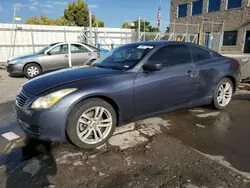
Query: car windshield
{"points": [[44, 49], [124, 57]]}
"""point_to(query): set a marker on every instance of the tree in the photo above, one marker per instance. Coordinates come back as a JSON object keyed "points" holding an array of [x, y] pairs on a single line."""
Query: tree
{"points": [[100, 23], [144, 26], [62, 21], [43, 20], [96, 22], [75, 14], [78, 13], [33, 20]]}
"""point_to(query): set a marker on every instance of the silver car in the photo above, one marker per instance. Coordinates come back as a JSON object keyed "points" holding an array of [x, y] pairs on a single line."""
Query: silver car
{"points": [[53, 56]]}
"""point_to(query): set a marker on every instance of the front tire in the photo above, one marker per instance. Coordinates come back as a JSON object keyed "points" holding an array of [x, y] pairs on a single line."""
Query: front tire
{"points": [[223, 94], [91, 123], [31, 70]]}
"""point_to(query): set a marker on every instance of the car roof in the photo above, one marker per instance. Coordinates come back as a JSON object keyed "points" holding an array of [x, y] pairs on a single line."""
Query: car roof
{"points": [[52, 44], [163, 42]]}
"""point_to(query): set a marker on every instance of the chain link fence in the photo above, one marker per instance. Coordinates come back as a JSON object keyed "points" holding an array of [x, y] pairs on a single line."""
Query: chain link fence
{"points": [[25, 39]]}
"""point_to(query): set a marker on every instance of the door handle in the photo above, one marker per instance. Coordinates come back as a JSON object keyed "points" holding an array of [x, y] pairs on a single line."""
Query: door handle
{"points": [[66, 56], [190, 73]]}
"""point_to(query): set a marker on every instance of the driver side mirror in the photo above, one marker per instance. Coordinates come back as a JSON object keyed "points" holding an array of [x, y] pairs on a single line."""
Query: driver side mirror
{"points": [[48, 53], [152, 66]]}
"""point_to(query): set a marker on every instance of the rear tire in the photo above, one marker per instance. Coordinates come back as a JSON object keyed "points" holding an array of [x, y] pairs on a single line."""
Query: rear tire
{"points": [[90, 62], [31, 70], [91, 123], [223, 94]]}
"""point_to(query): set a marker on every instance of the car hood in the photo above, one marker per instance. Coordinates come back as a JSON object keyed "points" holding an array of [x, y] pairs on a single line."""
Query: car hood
{"points": [[48, 81], [23, 57]]}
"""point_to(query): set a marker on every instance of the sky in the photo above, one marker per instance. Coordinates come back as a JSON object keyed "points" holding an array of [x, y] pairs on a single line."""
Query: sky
{"points": [[112, 12]]}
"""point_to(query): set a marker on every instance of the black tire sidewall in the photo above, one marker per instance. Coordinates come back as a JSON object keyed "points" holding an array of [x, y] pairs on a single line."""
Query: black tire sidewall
{"points": [[77, 111], [215, 101], [90, 62], [29, 65]]}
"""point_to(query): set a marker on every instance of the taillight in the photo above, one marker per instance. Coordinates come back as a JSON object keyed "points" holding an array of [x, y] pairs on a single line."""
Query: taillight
{"points": [[238, 63]]}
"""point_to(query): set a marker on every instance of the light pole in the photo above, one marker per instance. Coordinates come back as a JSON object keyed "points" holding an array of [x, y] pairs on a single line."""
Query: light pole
{"points": [[15, 18], [90, 26]]}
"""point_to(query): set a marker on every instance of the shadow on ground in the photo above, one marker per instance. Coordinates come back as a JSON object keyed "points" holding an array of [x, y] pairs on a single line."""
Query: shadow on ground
{"points": [[32, 165]]}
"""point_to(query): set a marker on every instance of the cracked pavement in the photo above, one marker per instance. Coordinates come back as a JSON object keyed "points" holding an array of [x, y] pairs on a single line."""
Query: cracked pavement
{"points": [[189, 148]]}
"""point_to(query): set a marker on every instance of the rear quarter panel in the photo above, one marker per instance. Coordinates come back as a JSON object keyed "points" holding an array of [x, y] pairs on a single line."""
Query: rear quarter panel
{"points": [[211, 72]]}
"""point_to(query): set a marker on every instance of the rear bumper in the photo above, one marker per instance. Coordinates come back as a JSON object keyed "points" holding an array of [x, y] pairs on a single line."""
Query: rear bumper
{"points": [[15, 69]]}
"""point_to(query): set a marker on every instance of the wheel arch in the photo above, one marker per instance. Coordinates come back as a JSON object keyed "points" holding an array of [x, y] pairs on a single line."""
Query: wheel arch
{"points": [[32, 62], [103, 97], [91, 61], [233, 80]]}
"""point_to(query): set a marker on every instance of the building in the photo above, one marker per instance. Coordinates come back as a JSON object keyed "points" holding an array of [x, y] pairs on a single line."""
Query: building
{"points": [[226, 21]]}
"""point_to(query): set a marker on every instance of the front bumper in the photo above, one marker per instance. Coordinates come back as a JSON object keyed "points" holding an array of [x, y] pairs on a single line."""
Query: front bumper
{"points": [[42, 124], [15, 69]]}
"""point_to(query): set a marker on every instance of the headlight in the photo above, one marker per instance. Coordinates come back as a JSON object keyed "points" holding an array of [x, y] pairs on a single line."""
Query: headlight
{"points": [[13, 62], [49, 100]]}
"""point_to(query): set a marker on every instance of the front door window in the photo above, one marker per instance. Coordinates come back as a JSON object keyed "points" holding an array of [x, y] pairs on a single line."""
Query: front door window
{"points": [[61, 49]]}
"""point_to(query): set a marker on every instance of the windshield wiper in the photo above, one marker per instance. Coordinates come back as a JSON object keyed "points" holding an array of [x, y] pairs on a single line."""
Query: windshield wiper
{"points": [[101, 66], [108, 67]]}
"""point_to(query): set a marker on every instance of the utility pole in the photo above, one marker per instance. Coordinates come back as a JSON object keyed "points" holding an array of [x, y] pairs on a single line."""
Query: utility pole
{"points": [[160, 16], [12, 31], [90, 26], [144, 37], [139, 29]]}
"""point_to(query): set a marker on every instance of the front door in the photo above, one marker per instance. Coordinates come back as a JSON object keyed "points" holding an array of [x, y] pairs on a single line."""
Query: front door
{"points": [[175, 84], [56, 58], [247, 43]]}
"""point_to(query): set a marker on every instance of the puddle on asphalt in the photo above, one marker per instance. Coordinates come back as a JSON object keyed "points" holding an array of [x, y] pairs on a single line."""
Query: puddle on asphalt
{"points": [[15, 153], [217, 133]]}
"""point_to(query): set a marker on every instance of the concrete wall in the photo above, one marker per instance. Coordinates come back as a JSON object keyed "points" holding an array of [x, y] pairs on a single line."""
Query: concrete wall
{"points": [[30, 38], [234, 19]]}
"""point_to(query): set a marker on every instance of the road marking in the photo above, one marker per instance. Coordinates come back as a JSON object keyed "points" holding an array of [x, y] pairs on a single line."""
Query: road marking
{"points": [[10, 136]]}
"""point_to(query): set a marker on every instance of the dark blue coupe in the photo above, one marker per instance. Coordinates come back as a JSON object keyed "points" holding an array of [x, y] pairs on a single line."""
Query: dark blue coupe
{"points": [[131, 82]]}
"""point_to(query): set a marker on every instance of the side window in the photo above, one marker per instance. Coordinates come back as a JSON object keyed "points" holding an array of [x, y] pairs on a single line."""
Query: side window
{"points": [[61, 49], [199, 54], [77, 48], [173, 54]]}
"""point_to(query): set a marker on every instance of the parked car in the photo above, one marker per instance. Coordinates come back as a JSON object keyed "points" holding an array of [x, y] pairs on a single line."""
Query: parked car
{"points": [[131, 82], [53, 56]]}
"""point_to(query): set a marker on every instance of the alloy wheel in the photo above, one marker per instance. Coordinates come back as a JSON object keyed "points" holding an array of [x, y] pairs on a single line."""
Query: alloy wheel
{"points": [[225, 93], [94, 125]]}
